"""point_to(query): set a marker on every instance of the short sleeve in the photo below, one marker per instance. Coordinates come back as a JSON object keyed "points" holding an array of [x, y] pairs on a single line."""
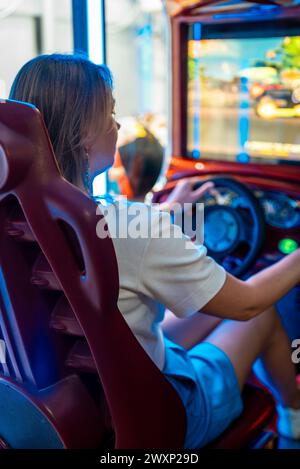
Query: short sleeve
{"points": [[176, 272]]}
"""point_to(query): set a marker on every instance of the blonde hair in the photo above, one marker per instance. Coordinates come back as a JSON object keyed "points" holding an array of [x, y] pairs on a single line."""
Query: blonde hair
{"points": [[75, 99]]}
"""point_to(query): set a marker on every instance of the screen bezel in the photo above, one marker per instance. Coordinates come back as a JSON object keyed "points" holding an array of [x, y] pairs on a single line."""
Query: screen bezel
{"points": [[234, 32]]}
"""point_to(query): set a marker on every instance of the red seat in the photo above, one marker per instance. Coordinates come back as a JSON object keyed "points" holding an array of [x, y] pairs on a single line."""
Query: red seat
{"points": [[246, 430], [60, 320]]}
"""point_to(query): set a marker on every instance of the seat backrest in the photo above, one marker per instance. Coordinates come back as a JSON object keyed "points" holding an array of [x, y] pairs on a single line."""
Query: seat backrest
{"points": [[49, 244]]}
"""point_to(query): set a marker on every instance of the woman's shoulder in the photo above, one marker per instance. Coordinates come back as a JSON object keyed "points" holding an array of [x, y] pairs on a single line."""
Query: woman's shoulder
{"points": [[131, 225], [140, 218]]}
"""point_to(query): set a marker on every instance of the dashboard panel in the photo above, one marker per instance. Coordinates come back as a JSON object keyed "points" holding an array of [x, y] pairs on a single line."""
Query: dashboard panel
{"points": [[281, 211]]}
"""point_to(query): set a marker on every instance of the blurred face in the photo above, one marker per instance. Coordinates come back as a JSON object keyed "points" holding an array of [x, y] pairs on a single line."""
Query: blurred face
{"points": [[102, 149]]}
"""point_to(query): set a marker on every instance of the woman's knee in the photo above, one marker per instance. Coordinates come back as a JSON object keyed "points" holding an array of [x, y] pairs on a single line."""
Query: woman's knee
{"points": [[269, 321]]}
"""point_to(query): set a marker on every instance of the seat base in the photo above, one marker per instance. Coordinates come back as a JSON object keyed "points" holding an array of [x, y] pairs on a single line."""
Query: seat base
{"points": [[259, 410]]}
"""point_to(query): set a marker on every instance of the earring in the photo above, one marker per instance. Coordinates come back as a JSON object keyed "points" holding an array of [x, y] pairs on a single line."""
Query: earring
{"points": [[86, 176]]}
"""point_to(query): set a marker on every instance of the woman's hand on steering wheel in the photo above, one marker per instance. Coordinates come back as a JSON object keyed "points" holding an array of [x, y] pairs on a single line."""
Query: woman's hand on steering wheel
{"points": [[185, 193]]}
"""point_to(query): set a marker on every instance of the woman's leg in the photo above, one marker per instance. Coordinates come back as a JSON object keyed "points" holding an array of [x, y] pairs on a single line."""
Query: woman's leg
{"points": [[190, 331], [264, 341], [261, 341]]}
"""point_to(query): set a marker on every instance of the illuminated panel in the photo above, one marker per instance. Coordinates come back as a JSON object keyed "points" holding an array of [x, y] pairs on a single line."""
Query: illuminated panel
{"points": [[3, 358], [175, 7], [287, 246], [274, 149], [243, 98], [194, 72], [96, 52], [96, 42]]}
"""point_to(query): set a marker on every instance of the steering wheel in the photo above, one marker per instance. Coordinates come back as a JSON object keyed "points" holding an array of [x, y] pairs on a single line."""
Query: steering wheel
{"points": [[234, 225]]}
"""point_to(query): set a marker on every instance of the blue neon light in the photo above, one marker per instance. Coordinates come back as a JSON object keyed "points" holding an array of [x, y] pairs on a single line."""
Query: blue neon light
{"points": [[197, 31], [197, 34], [9, 311], [244, 125], [96, 30]]}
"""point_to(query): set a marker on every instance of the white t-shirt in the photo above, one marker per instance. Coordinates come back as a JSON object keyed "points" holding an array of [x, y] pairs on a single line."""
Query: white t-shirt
{"points": [[160, 270]]}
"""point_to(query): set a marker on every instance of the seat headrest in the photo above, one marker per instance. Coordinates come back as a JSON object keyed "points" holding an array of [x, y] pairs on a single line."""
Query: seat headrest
{"points": [[23, 144]]}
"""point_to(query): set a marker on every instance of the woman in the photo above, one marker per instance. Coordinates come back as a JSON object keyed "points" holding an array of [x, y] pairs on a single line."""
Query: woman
{"points": [[212, 358]]}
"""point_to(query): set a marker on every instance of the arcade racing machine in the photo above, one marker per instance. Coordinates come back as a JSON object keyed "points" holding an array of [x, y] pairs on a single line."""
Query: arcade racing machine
{"points": [[233, 67], [236, 120]]}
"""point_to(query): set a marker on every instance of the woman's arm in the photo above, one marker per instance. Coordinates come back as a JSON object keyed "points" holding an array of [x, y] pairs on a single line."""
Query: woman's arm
{"points": [[243, 300]]}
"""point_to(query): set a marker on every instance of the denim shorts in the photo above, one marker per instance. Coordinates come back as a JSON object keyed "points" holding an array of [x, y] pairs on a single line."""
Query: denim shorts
{"points": [[206, 382]]}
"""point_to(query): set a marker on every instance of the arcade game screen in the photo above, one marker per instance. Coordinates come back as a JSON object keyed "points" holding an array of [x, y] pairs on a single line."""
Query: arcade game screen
{"points": [[244, 98]]}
